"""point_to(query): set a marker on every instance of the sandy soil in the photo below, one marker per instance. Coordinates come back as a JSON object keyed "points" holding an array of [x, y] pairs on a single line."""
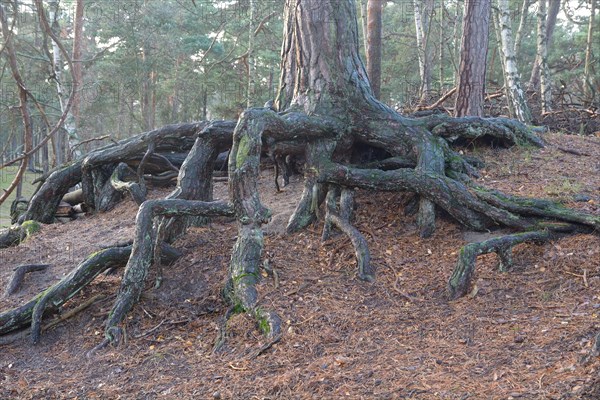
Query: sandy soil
{"points": [[520, 334]]}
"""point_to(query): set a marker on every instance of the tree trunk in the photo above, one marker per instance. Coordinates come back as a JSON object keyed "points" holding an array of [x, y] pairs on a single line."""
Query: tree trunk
{"points": [[516, 98], [374, 32], [72, 122], [23, 107], [363, 23], [542, 55], [553, 9], [588, 71], [472, 68], [523, 15], [423, 16]]}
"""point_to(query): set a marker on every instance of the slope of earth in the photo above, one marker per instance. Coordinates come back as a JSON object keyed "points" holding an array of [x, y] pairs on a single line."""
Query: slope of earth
{"points": [[520, 334]]}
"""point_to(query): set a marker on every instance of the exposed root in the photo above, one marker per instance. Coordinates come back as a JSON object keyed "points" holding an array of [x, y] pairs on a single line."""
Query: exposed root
{"points": [[341, 220], [55, 296], [135, 190], [143, 251], [17, 278], [460, 281]]}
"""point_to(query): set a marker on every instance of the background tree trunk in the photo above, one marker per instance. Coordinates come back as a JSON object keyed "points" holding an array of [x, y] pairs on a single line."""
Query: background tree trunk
{"points": [[552, 13], [472, 68], [516, 98], [423, 13], [523, 16], [589, 70], [374, 32], [542, 55]]}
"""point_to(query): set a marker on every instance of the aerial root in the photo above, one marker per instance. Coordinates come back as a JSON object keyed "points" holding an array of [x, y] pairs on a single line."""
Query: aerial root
{"points": [[142, 252], [341, 220], [460, 281], [135, 190]]}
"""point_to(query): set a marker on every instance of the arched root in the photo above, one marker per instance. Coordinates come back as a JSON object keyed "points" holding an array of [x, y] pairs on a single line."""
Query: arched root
{"points": [[341, 220], [459, 282], [135, 190], [143, 249]]}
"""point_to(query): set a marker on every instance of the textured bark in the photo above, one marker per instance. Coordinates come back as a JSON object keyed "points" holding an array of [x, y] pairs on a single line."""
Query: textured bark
{"points": [[459, 282], [472, 68], [142, 252], [55, 296], [44, 203], [327, 113], [17, 277], [374, 33]]}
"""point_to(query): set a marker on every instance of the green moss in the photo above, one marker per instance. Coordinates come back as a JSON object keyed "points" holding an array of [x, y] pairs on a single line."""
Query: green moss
{"points": [[238, 308], [242, 151], [30, 227], [263, 322]]}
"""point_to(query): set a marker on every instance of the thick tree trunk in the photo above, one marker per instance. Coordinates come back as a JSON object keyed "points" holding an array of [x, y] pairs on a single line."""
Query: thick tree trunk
{"points": [[472, 68]]}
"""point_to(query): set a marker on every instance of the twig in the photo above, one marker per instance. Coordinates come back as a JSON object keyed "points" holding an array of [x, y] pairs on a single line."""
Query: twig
{"points": [[264, 348], [89, 140], [571, 151]]}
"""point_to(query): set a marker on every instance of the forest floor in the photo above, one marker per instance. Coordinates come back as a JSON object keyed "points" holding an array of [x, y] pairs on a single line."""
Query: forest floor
{"points": [[520, 334]]}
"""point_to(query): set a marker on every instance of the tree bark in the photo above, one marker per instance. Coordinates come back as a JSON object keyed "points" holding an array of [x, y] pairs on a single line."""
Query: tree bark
{"points": [[542, 55], [472, 68], [516, 97], [553, 9], [588, 70], [374, 47], [423, 16]]}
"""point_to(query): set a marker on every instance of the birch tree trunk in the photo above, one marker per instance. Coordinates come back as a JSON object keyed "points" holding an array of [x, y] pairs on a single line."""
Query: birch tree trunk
{"points": [[516, 97], [363, 22], [588, 92], [552, 13], [542, 55], [422, 30], [57, 67], [522, 23]]}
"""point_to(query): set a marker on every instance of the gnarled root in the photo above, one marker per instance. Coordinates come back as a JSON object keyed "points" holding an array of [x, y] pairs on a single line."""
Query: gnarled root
{"points": [[341, 220], [143, 250], [460, 281]]}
